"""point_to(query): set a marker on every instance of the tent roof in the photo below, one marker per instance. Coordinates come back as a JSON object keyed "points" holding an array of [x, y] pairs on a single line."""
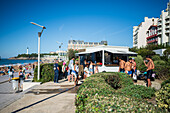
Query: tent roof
{"points": [[108, 50], [87, 52], [121, 52]]}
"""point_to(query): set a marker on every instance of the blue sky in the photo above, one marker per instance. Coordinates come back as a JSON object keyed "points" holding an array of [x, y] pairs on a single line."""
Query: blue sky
{"points": [[88, 20]]}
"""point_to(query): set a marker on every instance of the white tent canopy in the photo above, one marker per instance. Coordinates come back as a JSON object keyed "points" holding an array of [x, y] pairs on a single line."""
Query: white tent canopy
{"points": [[111, 49]]}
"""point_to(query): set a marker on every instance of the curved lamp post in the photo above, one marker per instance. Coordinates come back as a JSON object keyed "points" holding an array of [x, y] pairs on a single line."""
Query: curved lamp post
{"points": [[39, 35], [59, 48]]}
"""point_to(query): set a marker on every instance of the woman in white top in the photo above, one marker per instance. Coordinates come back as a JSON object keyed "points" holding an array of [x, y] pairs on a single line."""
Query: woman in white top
{"points": [[86, 72], [96, 69], [91, 70], [75, 73]]}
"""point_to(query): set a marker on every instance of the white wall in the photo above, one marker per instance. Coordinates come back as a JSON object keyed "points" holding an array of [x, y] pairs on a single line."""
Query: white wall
{"points": [[164, 36], [143, 27], [159, 51]]}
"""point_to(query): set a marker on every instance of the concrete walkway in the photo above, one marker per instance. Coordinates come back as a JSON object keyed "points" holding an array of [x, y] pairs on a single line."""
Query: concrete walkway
{"points": [[155, 84], [46, 98], [8, 95]]}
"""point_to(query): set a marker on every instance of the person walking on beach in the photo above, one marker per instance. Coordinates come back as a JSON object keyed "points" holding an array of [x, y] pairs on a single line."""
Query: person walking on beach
{"points": [[128, 67], [11, 74], [56, 72], [21, 78], [71, 67], [121, 65], [150, 66]]}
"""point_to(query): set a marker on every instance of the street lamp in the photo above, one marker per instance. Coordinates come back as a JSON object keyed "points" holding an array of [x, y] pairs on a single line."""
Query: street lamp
{"points": [[59, 47], [39, 35]]}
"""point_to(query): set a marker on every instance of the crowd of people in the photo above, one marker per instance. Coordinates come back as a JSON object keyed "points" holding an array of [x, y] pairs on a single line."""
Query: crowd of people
{"points": [[73, 70], [130, 68]]}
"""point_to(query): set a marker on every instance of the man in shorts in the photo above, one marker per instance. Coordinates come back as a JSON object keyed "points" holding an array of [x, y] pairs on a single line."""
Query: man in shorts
{"points": [[121, 65], [56, 72], [128, 67], [150, 66]]}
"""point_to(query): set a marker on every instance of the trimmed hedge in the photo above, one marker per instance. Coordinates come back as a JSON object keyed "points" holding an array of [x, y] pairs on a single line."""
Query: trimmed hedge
{"points": [[46, 72], [108, 92], [138, 91]]}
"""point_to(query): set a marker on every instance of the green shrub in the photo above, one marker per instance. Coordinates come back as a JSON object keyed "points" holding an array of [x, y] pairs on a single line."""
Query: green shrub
{"points": [[138, 91], [140, 64], [102, 93], [167, 52], [46, 72], [162, 71], [36, 73], [144, 52], [159, 62], [156, 57], [162, 97], [165, 82]]}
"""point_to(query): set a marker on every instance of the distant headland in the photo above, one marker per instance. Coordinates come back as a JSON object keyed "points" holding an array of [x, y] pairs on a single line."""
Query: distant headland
{"points": [[23, 58]]}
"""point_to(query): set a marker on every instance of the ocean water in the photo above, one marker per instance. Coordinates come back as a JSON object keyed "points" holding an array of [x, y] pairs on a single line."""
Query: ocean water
{"points": [[7, 62]]}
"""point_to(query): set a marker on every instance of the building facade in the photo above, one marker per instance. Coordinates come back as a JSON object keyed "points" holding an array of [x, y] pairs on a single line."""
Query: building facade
{"points": [[164, 26], [60, 52], [140, 32], [80, 44], [152, 38]]}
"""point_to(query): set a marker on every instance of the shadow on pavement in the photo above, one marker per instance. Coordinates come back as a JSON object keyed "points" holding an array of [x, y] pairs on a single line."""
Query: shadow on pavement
{"points": [[42, 100]]}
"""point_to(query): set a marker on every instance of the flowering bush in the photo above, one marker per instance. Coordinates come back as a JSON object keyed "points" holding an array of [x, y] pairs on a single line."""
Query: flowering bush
{"points": [[162, 97]]}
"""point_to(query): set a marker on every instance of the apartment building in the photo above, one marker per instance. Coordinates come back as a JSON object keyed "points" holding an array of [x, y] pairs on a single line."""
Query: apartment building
{"points": [[140, 32], [80, 44], [164, 26], [152, 38]]}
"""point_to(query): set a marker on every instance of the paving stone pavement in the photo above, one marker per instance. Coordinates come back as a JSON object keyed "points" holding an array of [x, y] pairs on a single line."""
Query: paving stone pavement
{"points": [[155, 84], [8, 95], [46, 98]]}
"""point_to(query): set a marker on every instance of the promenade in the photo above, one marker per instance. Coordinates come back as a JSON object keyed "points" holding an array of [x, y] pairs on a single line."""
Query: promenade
{"points": [[49, 97], [8, 95]]}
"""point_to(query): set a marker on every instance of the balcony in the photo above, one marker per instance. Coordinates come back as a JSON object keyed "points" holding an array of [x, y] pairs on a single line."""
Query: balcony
{"points": [[159, 20], [151, 36], [135, 33], [135, 42], [159, 28], [167, 31], [167, 17], [159, 24], [152, 41], [167, 26], [167, 22], [159, 33]]}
